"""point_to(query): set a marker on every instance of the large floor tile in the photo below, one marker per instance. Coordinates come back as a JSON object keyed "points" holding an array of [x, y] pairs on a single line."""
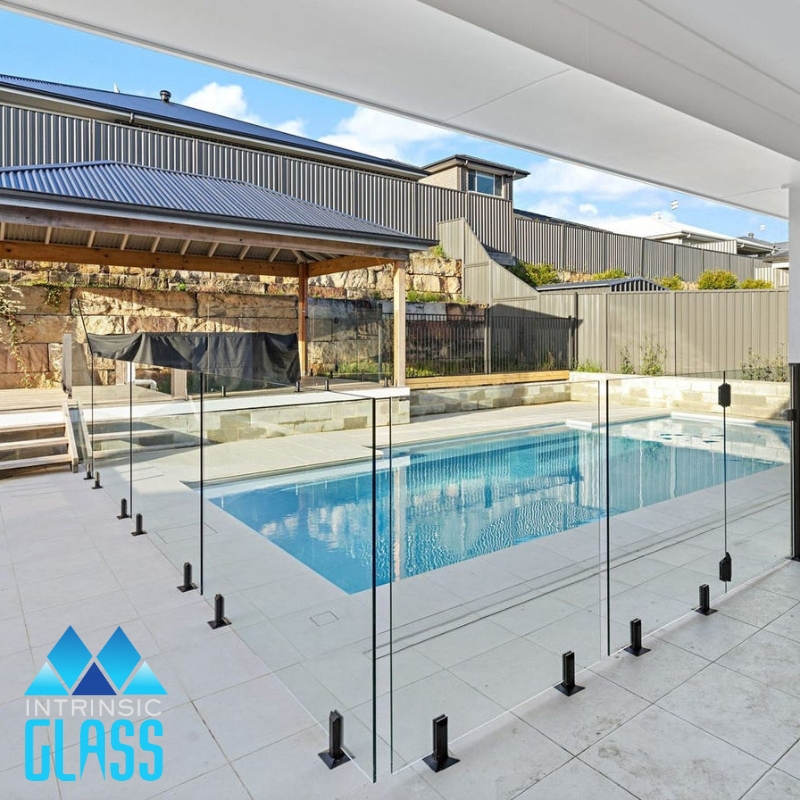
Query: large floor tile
{"points": [[525, 755], [755, 718], [252, 715], [755, 606], [709, 637], [511, 673], [653, 674], [579, 721], [768, 658], [222, 782], [775, 785], [219, 662], [660, 757], [293, 768], [575, 781]]}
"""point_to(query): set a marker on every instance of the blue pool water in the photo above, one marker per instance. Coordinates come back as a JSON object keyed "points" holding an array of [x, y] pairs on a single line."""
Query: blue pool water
{"points": [[452, 500]]}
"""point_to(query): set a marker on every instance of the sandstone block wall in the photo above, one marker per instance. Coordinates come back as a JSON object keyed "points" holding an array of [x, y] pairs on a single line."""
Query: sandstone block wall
{"points": [[449, 401]]}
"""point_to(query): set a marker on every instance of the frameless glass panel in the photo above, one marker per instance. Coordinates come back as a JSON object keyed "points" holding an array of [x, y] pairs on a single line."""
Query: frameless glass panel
{"points": [[350, 345], [666, 475], [756, 441], [288, 512], [495, 569], [164, 442]]}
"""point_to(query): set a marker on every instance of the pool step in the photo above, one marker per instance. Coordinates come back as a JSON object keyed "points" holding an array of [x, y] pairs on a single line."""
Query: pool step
{"points": [[38, 444]]}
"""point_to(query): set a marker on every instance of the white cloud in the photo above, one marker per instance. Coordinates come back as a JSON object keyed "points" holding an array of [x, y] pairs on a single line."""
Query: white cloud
{"points": [[383, 135], [559, 177], [589, 209], [230, 101]]}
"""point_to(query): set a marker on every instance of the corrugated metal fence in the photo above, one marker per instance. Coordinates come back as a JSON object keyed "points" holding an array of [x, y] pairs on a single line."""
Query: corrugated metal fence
{"points": [[575, 249], [699, 332]]}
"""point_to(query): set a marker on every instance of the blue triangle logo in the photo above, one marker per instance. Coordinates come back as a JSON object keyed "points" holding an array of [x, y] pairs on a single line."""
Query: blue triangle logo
{"points": [[46, 682], [145, 682], [94, 682]]}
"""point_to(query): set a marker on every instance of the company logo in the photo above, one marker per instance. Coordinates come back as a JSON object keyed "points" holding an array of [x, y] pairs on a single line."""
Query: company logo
{"points": [[65, 670], [80, 685]]}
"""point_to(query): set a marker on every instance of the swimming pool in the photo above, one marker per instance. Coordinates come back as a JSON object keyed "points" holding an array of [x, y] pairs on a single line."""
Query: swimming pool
{"points": [[452, 500]]}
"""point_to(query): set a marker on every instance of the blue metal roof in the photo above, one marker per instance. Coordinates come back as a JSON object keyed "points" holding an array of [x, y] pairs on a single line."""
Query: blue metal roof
{"points": [[149, 188], [155, 108]]}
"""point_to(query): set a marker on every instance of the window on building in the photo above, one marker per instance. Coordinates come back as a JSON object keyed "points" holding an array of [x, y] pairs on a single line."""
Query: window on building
{"points": [[484, 183]]}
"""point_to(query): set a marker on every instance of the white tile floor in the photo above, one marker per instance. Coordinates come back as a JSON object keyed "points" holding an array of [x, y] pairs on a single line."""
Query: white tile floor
{"points": [[710, 712]]}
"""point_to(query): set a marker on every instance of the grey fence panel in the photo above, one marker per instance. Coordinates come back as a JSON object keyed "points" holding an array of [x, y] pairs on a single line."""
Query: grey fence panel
{"points": [[140, 146], [434, 203], [688, 263], [38, 137], [584, 250], [238, 163], [451, 236], [658, 259], [624, 252], [715, 261], [778, 277], [476, 283], [742, 266], [387, 201], [319, 183], [492, 220], [640, 324], [725, 246], [538, 242]]}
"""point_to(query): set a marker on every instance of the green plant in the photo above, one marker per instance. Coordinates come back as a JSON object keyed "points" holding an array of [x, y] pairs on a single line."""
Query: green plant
{"points": [[756, 283], [673, 282], [758, 368], [437, 251], [717, 279], [420, 372], [9, 309], [609, 275], [586, 366], [653, 357], [181, 287], [548, 363], [413, 296], [625, 362], [535, 274]]}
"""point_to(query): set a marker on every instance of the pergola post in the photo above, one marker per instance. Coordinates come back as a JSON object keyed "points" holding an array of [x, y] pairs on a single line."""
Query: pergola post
{"points": [[399, 304], [302, 317]]}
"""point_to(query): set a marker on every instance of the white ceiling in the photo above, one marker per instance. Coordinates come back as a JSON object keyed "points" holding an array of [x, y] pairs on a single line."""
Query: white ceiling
{"points": [[699, 96]]}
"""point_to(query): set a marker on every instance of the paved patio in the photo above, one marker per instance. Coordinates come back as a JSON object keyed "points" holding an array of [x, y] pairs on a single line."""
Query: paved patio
{"points": [[710, 711]]}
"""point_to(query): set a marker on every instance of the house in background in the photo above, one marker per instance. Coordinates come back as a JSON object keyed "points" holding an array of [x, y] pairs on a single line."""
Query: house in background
{"points": [[42, 122]]}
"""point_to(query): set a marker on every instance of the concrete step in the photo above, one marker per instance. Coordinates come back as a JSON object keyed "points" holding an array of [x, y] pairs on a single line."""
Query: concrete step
{"points": [[28, 444], [32, 463]]}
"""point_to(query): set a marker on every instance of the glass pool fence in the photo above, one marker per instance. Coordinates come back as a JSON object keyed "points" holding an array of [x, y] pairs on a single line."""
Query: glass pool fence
{"points": [[396, 570]]}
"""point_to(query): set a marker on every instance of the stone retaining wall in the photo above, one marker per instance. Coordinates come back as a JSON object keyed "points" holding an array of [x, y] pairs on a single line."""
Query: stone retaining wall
{"points": [[448, 401], [749, 399]]}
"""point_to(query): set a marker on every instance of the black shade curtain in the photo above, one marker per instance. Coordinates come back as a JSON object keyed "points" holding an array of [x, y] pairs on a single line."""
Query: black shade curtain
{"points": [[259, 357]]}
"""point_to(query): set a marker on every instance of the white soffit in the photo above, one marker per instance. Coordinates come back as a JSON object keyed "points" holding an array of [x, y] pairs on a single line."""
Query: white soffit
{"points": [[702, 97]]}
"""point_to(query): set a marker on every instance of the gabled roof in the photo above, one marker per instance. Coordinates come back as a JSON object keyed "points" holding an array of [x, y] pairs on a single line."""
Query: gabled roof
{"points": [[154, 109], [185, 194]]}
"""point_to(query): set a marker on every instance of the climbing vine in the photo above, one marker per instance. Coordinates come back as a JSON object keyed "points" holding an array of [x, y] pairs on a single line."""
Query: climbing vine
{"points": [[12, 335]]}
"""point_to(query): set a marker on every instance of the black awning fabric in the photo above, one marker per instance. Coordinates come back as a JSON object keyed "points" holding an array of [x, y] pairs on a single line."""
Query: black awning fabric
{"points": [[261, 357]]}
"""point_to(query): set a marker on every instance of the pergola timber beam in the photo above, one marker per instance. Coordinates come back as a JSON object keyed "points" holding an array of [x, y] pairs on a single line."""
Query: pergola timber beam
{"points": [[317, 241], [344, 264], [144, 259]]}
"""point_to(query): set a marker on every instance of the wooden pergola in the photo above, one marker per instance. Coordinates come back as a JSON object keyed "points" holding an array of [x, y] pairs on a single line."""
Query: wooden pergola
{"points": [[49, 225]]}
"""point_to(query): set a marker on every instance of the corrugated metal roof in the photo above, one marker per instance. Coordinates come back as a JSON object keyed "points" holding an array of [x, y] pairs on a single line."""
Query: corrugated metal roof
{"points": [[612, 284], [156, 108], [150, 188]]}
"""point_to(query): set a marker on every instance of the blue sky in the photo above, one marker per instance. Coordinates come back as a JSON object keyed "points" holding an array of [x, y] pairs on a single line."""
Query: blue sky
{"points": [[36, 49]]}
